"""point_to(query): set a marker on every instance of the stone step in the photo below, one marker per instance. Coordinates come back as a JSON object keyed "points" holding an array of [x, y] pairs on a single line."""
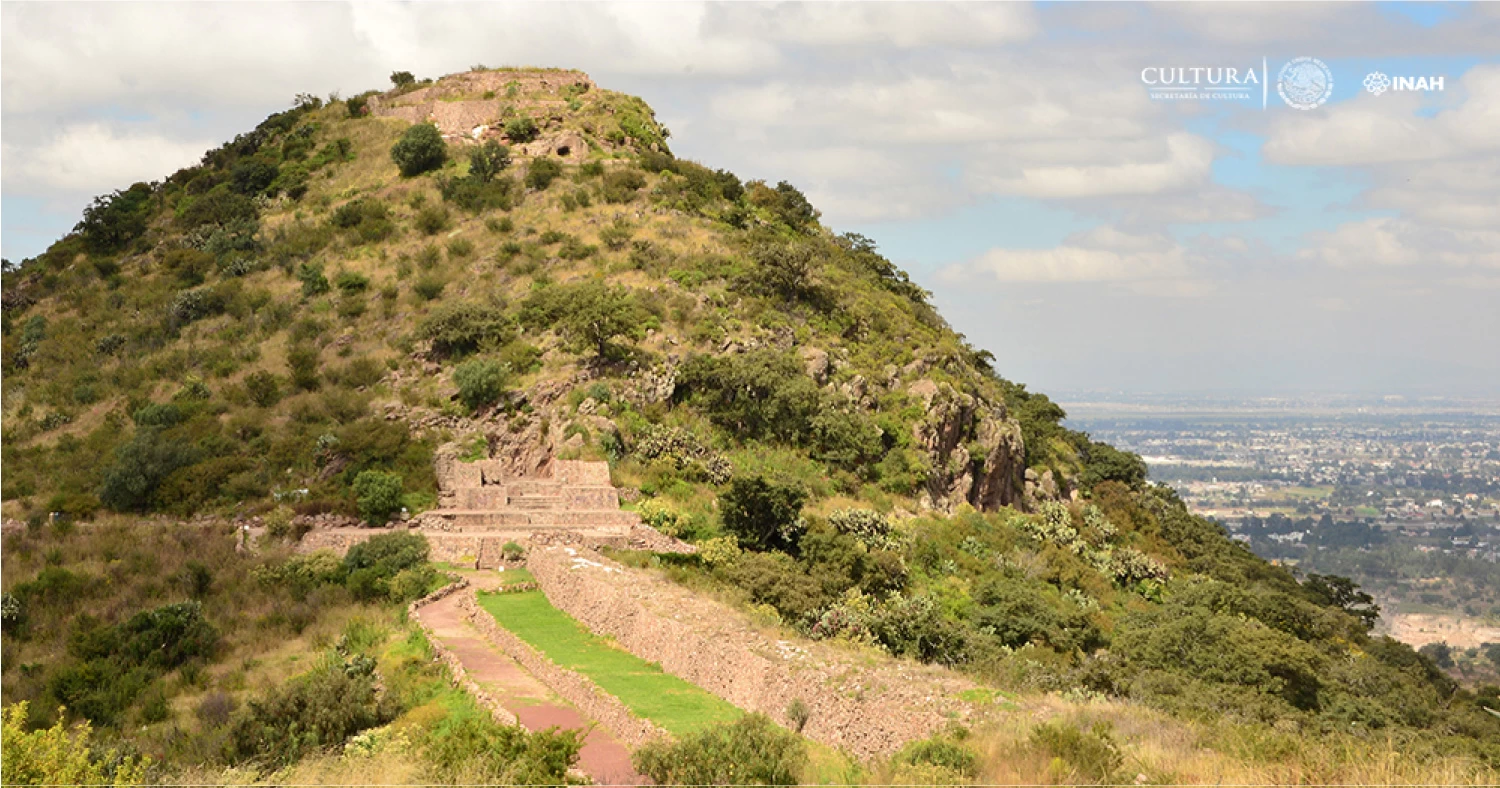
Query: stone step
{"points": [[517, 487], [536, 502], [472, 520]]}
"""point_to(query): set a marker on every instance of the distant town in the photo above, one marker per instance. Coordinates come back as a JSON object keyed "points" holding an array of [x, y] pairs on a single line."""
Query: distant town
{"points": [[1403, 496]]}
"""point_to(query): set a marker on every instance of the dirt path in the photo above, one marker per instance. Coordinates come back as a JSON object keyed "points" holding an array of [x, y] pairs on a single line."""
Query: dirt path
{"points": [[602, 757]]}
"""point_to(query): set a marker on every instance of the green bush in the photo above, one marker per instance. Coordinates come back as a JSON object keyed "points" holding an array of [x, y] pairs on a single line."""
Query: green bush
{"points": [[622, 183], [749, 751], [317, 710], [378, 495], [112, 221], [764, 514], [1090, 756], [541, 173], [263, 388], [481, 382], [303, 362], [420, 149], [428, 287], [589, 316], [521, 129], [432, 219], [472, 749], [464, 327]]}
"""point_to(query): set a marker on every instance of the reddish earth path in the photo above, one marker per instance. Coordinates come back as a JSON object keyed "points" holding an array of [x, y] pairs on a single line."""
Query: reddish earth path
{"points": [[603, 757]]}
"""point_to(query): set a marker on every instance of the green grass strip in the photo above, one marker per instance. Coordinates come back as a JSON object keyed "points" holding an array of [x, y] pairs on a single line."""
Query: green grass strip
{"points": [[642, 686]]}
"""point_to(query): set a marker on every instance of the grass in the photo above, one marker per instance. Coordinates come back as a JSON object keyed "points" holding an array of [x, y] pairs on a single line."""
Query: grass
{"points": [[648, 691]]}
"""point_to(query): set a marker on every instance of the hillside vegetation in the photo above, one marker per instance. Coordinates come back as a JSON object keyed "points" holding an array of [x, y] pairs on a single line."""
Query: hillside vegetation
{"points": [[300, 322]]}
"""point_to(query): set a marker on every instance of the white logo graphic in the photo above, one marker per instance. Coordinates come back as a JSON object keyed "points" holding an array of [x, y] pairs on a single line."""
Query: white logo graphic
{"points": [[1377, 83], [1305, 83]]}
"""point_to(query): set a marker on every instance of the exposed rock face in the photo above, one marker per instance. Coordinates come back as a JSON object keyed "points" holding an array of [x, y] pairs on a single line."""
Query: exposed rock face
{"points": [[958, 427]]}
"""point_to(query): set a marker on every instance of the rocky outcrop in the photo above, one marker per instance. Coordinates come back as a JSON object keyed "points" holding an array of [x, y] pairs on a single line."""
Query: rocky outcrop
{"points": [[975, 451]]}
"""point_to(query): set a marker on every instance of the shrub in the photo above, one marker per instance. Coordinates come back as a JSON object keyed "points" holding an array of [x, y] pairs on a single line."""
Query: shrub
{"points": [[314, 283], [511, 551], [797, 713], [481, 382], [589, 316], [303, 361], [472, 749], [521, 129], [621, 184], [719, 551], [320, 708], [465, 327], [542, 173], [749, 751], [402, 79], [870, 527], [432, 219], [60, 756], [764, 514], [419, 150], [429, 287], [378, 495], [943, 753], [263, 388], [1088, 755], [140, 466], [460, 248], [358, 106]]}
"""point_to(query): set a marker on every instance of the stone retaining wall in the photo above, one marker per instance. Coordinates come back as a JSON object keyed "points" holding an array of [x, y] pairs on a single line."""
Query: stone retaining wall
{"points": [[579, 690], [456, 673], [868, 706]]}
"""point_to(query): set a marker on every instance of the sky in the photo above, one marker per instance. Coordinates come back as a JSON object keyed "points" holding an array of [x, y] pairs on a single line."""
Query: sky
{"points": [[1009, 156]]}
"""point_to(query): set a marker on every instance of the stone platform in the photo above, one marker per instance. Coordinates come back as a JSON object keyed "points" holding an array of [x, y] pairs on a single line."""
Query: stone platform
{"points": [[482, 507]]}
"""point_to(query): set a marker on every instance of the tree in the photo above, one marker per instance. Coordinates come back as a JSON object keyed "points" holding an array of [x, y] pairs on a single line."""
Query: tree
{"points": [[480, 381], [783, 269], [589, 316], [752, 750], [402, 78], [764, 514], [378, 495], [116, 219], [487, 160], [1440, 653], [1344, 594], [420, 149]]}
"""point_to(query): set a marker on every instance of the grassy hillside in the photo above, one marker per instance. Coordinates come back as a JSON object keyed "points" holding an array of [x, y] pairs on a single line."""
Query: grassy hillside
{"points": [[298, 324]]}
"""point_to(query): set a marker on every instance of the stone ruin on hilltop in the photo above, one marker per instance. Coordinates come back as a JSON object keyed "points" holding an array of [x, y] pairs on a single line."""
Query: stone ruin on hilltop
{"points": [[458, 106]]}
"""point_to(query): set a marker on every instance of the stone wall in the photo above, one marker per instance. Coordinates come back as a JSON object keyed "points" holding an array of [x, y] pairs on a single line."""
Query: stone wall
{"points": [[456, 673], [867, 704], [577, 689]]}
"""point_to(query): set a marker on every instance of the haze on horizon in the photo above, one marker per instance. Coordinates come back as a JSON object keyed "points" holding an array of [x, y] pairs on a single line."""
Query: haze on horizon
{"points": [[1007, 155]]}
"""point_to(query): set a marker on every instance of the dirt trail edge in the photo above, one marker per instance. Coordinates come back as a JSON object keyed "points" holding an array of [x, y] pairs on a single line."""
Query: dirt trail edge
{"points": [[521, 695]]}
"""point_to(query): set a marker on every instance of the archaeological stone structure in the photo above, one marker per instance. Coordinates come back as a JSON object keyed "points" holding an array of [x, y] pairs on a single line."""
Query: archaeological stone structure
{"points": [[483, 505]]}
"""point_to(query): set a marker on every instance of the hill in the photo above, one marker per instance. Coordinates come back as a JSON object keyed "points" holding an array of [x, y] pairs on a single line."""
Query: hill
{"points": [[299, 324]]}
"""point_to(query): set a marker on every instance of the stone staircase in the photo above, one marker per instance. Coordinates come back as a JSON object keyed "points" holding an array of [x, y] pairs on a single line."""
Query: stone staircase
{"points": [[571, 495]]}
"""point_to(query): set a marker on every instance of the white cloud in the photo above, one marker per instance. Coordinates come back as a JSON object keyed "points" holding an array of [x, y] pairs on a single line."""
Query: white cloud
{"points": [[1102, 254], [1385, 242], [1185, 161], [91, 158]]}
